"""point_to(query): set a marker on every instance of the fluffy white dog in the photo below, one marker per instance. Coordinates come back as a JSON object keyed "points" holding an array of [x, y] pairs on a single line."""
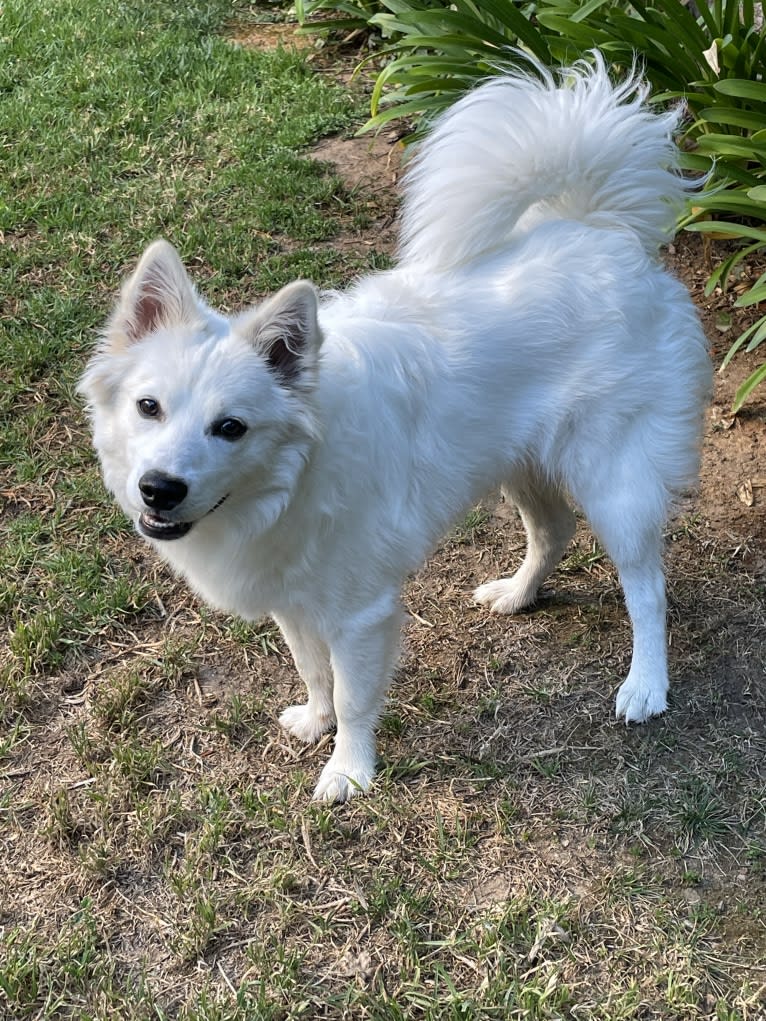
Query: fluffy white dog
{"points": [[300, 458]]}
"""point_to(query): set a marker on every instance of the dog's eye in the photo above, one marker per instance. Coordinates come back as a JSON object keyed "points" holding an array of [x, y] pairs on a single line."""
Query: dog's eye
{"points": [[148, 407], [229, 428]]}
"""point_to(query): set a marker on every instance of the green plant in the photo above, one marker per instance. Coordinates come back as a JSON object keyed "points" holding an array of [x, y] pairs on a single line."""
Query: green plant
{"points": [[441, 49], [350, 15]]}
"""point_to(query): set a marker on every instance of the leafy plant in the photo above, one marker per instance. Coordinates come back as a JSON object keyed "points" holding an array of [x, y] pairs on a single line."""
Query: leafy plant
{"points": [[349, 15], [438, 50], [713, 56]]}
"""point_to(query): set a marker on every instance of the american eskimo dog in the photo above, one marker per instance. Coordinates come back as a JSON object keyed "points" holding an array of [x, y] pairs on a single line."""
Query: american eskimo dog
{"points": [[301, 457]]}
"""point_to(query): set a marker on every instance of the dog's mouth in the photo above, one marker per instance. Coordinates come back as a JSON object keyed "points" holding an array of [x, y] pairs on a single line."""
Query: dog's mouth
{"points": [[155, 526]]}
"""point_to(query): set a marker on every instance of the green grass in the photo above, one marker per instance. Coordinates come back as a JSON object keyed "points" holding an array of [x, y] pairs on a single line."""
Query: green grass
{"points": [[519, 857]]}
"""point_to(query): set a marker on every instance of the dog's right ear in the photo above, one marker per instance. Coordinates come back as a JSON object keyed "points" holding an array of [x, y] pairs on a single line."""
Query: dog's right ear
{"points": [[159, 293]]}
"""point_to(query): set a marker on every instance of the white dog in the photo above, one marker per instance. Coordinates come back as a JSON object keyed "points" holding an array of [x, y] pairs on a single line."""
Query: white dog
{"points": [[300, 458]]}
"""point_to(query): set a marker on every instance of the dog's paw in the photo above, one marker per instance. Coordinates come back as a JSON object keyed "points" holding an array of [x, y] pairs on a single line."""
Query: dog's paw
{"points": [[506, 595], [306, 723], [341, 780], [638, 700]]}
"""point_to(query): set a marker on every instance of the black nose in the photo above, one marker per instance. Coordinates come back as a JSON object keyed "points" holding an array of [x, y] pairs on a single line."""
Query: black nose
{"points": [[160, 491]]}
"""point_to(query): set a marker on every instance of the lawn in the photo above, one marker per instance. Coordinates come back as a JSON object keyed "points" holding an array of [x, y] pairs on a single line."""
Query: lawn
{"points": [[521, 855]]}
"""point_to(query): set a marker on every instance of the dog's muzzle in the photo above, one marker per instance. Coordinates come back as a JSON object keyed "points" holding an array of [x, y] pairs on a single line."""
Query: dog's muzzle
{"points": [[162, 493]]}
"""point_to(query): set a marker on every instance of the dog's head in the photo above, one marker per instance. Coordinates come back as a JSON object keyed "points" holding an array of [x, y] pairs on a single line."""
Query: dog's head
{"points": [[192, 411]]}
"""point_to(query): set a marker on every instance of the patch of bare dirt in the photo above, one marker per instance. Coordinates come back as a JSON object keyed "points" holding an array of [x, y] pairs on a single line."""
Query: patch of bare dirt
{"points": [[732, 495], [370, 165], [269, 35]]}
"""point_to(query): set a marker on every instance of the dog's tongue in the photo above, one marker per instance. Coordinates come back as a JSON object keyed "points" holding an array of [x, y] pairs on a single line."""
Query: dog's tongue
{"points": [[155, 527]]}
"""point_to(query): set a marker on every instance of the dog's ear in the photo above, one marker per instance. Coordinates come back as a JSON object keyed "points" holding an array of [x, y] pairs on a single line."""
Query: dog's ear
{"points": [[159, 293], [285, 330]]}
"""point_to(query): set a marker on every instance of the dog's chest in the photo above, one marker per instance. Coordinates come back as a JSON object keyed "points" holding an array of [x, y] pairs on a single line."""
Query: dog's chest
{"points": [[237, 581]]}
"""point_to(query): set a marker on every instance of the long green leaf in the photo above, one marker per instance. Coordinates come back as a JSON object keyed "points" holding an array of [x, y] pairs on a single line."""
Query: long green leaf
{"points": [[730, 200], [723, 271], [737, 345], [404, 109], [449, 22], [732, 116], [434, 86], [507, 12], [711, 19], [730, 145], [691, 161], [732, 15], [397, 69], [751, 297], [583, 36], [432, 64], [675, 19], [584, 10], [748, 386], [736, 229], [459, 46], [759, 336], [679, 14], [742, 89]]}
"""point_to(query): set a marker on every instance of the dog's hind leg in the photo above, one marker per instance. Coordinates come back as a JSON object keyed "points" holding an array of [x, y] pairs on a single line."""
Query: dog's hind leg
{"points": [[643, 693], [629, 524], [549, 524], [312, 658]]}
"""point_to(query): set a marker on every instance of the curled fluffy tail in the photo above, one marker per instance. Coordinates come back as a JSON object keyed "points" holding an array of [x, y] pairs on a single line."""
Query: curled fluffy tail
{"points": [[519, 150]]}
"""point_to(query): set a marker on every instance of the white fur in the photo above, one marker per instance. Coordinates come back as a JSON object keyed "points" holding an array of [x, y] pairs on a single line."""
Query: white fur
{"points": [[527, 337]]}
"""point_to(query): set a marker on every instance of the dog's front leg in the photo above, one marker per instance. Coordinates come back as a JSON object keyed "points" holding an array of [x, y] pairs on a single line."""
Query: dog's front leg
{"points": [[312, 659], [363, 659]]}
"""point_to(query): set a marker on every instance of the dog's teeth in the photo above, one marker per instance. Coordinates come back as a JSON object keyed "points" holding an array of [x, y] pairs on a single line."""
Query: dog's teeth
{"points": [[157, 522]]}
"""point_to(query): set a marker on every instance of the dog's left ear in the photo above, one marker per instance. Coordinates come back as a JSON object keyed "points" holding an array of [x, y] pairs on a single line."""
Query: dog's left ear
{"points": [[285, 330]]}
